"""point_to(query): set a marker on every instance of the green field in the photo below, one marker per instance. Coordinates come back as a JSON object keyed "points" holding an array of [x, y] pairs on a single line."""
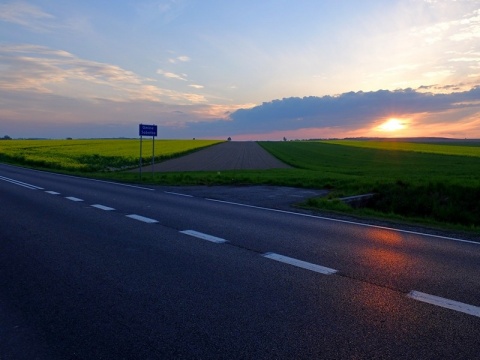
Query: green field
{"points": [[427, 182], [355, 166], [93, 155], [433, 183], [460, 147]]}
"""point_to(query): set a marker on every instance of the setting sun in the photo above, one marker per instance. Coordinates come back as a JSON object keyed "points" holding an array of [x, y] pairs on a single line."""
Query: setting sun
{"points": [[392, 124]]}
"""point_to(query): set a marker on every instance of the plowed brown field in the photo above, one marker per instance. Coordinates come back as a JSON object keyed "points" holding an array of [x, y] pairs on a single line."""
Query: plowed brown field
{"points": [[229, 155]]}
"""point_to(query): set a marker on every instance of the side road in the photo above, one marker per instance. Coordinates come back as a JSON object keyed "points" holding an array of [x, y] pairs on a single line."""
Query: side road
{"points": [[229, 155]]}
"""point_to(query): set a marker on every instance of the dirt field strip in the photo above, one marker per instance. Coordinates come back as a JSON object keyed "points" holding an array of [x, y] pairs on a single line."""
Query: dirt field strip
{"points": [[231, 155]]}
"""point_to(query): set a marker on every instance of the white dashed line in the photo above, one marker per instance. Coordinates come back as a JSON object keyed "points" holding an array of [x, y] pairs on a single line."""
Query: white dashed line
{"points": [[445, 303], [72, 198], [103, 207], [204, 236], [174, 193], [52, 192], [142, 218], [301, 264]]}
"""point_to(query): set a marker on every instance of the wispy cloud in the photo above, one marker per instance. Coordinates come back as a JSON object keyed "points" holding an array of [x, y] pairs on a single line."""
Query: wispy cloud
{"points": [[172, 75], [27, 15], [461, 29], [45, 70], [182, 58], [165, 11]]}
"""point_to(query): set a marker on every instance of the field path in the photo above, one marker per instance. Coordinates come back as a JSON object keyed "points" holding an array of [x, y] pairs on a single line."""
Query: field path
{"points": [[231, 155]]}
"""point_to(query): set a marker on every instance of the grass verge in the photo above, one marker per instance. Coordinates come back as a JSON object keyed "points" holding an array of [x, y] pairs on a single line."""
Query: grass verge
{"points": [[431, 184]]}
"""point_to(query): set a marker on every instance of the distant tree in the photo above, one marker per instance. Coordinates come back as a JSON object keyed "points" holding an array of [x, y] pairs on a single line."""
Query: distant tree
{"points": [[229, 138], [69, 138], [284, 138], [6, 137]]}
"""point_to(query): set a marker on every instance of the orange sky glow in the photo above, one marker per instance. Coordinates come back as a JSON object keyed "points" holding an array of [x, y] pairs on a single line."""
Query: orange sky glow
{"points": [[383, 69]]}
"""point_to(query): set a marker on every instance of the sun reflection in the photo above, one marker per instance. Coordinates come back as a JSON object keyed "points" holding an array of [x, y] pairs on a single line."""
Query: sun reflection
{"points": [[385, 236], [385, 260], [386, 254]]}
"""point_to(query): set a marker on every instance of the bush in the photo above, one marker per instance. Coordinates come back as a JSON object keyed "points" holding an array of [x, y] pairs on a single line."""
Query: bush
{"points": [[454, 204]]}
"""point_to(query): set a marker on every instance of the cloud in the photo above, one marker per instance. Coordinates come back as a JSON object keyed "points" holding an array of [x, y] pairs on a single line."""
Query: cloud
{"points": [[347, 112], [45, 70], [37, 20], [163, 11], [457, 30], [182, 58], [32, 67], [351, 107], [35, 114], [171, 75], [27, 15], [44, 90]]}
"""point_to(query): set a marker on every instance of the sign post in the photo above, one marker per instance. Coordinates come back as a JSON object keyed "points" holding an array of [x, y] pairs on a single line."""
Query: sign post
{"points": [[147, 130]]}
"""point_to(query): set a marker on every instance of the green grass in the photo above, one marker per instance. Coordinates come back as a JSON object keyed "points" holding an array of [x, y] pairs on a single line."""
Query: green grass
{"points": [[361, 168], [429, 183], [433, 183], [93, 155], [462, 148]]}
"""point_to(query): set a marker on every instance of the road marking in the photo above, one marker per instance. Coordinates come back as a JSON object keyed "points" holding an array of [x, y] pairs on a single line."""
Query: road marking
{"points": [[301, 264], [445, 303], [52, 192], [73, 198], [83, 178], [103, 207], [345, 221], [174, 193], [20, 183], [142, 218], [204, 236]]}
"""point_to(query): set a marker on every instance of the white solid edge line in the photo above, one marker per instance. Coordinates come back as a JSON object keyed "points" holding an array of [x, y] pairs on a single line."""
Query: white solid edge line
{"points": [[346, 221], [142, 218], [445, 303], [73, 198], [83, 178], [174, 193], [52, 192], [103, 207], [300, 263], [203, 236], [21, 183]]}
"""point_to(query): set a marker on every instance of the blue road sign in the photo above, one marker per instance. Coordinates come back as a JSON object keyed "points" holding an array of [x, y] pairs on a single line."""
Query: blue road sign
{"points": [[147, 130]]}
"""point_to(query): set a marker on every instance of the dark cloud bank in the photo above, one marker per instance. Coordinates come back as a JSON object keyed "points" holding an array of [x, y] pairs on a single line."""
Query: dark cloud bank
{"points": [[351, 110], [48, 115]]}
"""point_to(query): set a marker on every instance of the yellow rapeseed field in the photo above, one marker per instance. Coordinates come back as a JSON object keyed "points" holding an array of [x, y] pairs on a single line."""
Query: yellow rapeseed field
{"points": [[95, 154]]}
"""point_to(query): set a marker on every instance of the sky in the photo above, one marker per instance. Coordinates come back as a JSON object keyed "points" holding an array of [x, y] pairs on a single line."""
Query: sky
{"points": [[245, 69]]}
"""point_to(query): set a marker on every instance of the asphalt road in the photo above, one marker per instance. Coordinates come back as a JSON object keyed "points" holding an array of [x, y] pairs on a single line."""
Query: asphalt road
{"points": [[96, 270]]}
